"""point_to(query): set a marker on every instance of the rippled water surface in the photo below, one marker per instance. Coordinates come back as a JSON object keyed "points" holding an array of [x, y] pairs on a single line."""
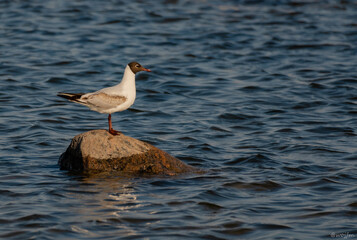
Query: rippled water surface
{"points": [[260, 94]]}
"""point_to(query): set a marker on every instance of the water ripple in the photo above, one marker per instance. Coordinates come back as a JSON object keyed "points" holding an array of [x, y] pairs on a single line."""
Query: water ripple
{"points": [[261, 96]]}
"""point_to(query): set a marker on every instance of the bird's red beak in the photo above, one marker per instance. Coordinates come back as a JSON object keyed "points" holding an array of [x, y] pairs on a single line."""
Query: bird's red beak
{"points": [[146, 69]]}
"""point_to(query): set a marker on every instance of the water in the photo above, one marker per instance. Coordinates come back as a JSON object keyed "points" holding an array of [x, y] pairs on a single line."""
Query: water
{"points": [[260, 94]]}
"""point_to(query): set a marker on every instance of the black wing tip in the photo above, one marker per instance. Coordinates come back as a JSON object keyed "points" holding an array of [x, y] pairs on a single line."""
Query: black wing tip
{"points": [[70, 96]]}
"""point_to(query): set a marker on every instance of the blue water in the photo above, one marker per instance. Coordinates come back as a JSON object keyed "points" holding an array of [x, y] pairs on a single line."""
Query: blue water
{"points": [[260, 94]]}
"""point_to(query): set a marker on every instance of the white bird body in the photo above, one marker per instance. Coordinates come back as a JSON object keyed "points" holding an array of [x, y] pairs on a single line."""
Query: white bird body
{"points": [[111, 99]]}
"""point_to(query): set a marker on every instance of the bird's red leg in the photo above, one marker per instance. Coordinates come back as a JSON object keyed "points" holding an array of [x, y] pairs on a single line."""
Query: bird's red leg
{"points": [[111, 130], [110, 121]]}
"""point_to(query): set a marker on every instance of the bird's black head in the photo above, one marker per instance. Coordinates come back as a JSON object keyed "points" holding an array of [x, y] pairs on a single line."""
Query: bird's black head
{"points": [[136, 67]]}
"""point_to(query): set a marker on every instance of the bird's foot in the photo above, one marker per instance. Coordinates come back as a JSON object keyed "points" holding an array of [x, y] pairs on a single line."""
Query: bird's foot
{"points": [[114, 132]]}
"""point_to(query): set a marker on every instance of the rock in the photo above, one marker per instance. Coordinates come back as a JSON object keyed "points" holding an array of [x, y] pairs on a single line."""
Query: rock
{"points": [[98, 150]]}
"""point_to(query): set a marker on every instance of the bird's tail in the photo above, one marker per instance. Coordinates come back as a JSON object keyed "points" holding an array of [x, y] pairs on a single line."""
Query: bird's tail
{"points": [[71, 96]]}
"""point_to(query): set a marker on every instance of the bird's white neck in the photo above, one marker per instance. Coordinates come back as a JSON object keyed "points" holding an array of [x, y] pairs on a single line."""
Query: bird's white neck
{"points": [[128, 80]]}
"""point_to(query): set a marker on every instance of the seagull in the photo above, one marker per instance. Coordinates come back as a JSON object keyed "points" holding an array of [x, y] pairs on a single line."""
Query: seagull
{"points": [[112, 99]]}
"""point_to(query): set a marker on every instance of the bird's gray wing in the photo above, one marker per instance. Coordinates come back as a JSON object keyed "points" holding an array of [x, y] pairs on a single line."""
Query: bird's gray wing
{"points": [[102, 100]]}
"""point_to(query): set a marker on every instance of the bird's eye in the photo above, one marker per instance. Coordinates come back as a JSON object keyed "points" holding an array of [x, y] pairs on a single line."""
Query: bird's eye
{"points": [[137, 65]]}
